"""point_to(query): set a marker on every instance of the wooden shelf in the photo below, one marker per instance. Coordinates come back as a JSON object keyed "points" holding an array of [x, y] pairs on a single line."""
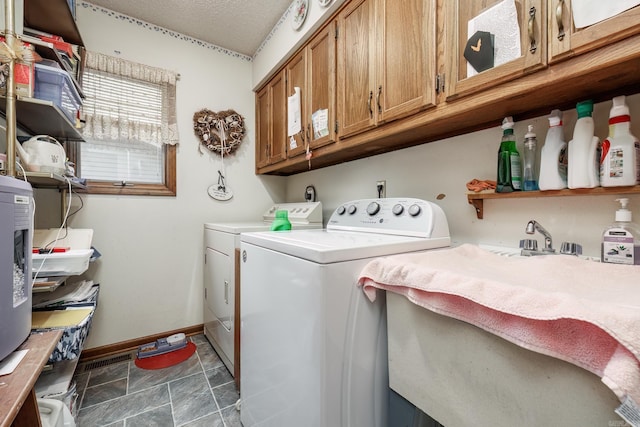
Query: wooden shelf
{"points": [[477, 199]]}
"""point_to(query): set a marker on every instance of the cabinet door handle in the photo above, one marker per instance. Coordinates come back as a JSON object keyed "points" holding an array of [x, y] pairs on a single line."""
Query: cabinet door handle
{"points": [[378, 99], [559, 10], [369, 103], [532, 37], [309, 132], [226, 292]]}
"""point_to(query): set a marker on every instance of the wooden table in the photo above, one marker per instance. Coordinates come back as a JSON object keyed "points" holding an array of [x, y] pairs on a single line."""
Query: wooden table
{"points": [[18, 404]]}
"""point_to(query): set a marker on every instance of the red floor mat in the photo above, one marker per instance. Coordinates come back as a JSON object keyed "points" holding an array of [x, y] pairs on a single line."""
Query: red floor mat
{"points": [[162, 361]]}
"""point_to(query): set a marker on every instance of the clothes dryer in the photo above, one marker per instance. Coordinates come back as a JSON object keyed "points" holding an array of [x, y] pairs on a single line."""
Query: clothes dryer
{"points": [[222, 277], [314, 349]]}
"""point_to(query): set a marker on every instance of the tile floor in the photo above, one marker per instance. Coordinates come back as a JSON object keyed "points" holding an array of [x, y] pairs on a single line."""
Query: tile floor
{"points": [[198, 392]]}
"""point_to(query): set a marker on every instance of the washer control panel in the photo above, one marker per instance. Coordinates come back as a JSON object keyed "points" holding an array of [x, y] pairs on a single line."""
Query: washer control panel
{"points": [[298, 213], [402, 216]]}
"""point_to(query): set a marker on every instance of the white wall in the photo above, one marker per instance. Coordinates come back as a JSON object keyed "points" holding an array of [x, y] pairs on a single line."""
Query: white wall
{"points": [[151, 267], [444, 167], [283, 40]]}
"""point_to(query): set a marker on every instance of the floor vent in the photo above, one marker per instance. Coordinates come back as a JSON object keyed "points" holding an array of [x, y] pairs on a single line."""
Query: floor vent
{"points": [[106, 362]]}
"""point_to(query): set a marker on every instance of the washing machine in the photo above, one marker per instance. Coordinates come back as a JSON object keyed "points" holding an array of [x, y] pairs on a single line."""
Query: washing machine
{"points": [[314, 348], [222, 278]]}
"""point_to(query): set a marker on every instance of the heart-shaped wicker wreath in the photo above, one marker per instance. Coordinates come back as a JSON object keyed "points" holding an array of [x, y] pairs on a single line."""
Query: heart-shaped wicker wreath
{"points": [[220, 132]]}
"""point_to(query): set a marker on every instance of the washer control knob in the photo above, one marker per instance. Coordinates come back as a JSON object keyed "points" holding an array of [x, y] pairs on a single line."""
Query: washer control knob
{"points": [[414, 210], [352, 209], [341, 210], [398, 209], [373, 208]]}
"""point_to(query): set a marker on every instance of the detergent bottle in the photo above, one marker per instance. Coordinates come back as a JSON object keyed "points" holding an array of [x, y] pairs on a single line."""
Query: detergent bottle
{"points": [[281, 221], [583, 150], [553, 156], [621, 241], [509, 168], [530, 152], [620, 158]]}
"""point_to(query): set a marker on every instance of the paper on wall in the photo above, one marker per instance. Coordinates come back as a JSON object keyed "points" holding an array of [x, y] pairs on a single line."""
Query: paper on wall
{"points": [[294, 116], [589, 12], [500, 20]]}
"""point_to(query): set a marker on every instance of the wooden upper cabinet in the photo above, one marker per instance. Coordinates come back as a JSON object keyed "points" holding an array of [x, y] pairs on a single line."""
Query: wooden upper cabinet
{"points": [[463, 18], [313, 70], [321, 87], [565, 40], [296, 70], [271, 126], [386, 61]]}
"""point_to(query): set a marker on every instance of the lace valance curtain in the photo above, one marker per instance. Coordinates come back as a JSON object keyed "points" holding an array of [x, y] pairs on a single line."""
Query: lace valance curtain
{"points": [[127, 101]]}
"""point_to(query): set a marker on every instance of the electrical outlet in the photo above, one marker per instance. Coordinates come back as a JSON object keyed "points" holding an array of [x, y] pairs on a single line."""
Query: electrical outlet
{"points": [[381, 189]]}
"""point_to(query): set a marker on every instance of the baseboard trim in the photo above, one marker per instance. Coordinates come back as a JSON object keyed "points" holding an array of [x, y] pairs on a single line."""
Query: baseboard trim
{"points": [[124, 346]]}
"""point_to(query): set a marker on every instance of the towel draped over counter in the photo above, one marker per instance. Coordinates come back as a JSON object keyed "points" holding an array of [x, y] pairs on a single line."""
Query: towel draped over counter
{"points": [[583, 312]]}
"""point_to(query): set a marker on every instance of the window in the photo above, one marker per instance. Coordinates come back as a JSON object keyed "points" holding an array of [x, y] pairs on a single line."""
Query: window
{"points": [[130, 128]]}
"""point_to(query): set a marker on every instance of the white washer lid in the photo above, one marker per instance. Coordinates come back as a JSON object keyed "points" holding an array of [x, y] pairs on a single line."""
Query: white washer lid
{"points": [[244, 227], [324, 247]]}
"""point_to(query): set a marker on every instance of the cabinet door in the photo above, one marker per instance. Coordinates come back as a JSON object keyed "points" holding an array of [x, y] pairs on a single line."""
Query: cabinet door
{"points": [[263, 126], [296, 70], [406, 55], [565, 40], [356, 69], [530, 22], [271, 129], [278, 119], [321, 83]]}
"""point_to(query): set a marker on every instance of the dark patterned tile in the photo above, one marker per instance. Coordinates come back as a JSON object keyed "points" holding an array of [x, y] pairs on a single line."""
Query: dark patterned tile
{"points": [[208, 357], [102, 393], [158, 417], [140, 379], [123, 407], [231, 417], [212, 420], [226, 395], [108, 373], [219, 376], [191, 398]]}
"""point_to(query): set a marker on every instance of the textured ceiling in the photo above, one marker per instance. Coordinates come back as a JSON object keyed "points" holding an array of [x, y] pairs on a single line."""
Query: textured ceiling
{"points": [[237, 25]]}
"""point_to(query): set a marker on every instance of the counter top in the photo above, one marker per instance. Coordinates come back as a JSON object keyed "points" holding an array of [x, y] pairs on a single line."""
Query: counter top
{"points": [[18, 405]]}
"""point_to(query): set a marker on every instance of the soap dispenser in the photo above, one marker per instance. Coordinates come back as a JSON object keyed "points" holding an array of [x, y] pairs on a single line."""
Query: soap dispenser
{"points": [[621, 240]]}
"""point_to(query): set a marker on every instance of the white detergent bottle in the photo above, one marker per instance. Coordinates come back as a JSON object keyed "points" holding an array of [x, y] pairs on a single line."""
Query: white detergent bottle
{"points": [[621, 241], [620, 159], [582, 168], [553, 157]]}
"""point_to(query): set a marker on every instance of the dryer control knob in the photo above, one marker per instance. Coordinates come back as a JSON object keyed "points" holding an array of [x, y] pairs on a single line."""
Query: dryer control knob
{"points": [[414, 210], [398, 209], [352, 209], [373, 208], [341, 210]]}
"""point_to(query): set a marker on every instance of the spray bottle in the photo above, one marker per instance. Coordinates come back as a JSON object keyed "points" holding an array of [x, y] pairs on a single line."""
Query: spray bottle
{"points": [[621, 241], [583, 150], [509, 169], [530, 153], [620, 159], [553, 157]]}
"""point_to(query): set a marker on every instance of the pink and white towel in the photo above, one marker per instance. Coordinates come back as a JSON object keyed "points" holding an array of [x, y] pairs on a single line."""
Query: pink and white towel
{"points": [[580, 311]]}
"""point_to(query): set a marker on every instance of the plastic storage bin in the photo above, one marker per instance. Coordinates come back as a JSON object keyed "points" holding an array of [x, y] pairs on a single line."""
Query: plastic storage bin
{"points": [[70, 263], [55, 85]]}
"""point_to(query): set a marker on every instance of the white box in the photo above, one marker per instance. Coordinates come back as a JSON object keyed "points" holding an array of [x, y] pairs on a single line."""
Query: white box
{"points": [[70, 263]]}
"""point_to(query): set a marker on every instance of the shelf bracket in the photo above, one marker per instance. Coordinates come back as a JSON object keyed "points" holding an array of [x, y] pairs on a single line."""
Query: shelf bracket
{"points": [[478, 205]]}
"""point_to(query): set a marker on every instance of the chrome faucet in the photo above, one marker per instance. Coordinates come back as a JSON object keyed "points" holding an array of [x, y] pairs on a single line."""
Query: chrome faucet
{"points": [[533, 226]]}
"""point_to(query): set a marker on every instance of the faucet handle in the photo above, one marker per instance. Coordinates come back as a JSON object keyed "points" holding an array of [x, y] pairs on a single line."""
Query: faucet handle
{"points": [[570, 248], [529, 244]]}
